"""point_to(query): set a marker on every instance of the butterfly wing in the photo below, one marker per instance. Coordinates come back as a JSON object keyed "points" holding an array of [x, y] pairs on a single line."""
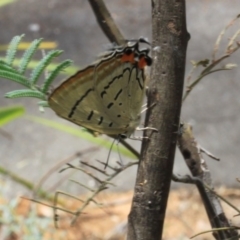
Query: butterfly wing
{"points": [[136, 93], [78, 101], [105, 97], [121, 94]]}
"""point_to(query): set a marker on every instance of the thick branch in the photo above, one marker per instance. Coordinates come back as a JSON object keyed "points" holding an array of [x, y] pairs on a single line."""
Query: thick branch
{"points": [[192, 154], [170, 39]]}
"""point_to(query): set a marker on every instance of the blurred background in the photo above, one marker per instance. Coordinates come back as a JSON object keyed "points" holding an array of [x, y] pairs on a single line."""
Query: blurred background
{"points": [[30, 149]]}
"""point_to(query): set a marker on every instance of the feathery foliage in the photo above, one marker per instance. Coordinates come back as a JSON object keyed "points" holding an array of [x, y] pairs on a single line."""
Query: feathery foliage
{"points": [[17, 74]]}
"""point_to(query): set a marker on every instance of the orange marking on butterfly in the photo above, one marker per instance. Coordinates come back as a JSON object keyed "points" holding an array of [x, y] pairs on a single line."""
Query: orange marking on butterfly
{"points": [[142, 62], [128, 58]]}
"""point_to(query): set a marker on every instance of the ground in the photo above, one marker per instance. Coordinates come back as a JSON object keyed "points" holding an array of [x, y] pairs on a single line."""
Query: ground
{"points": [[185, 217]]}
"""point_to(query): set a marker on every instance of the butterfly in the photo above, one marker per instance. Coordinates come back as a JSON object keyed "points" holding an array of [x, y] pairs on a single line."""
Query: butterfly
{"points": [[106, 96]]}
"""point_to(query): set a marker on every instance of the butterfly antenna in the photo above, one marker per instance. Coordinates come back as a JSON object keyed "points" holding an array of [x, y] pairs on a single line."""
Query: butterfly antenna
{"points": [[106, 164]]}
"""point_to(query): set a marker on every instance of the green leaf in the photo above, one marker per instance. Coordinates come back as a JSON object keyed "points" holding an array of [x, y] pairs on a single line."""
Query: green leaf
{"points": [[54, 74], [78, 132], [4, 66], [37, 71], [9, 114], [31, 65], [28, 55], [12, 49], [14, 77], [25, 93]]}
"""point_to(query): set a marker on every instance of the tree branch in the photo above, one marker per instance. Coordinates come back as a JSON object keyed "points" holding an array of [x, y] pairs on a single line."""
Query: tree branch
{"points": [[106, 22], [170, 39], [192, 154]]}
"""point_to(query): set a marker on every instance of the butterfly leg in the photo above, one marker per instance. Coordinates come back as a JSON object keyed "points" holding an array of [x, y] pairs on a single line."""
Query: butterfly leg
{"points": [[146, 128], [145, 109], [142, 129], [138, 138]]}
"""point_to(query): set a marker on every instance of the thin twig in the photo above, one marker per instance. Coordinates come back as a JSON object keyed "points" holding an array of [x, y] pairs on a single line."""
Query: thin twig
{"points": [[82, 185], [106, 22], [214, 62], [100, 188], [60, 164], [208, 153], [95, 168], [219, 38], [48, 205], [85, 171], [129, 147]]}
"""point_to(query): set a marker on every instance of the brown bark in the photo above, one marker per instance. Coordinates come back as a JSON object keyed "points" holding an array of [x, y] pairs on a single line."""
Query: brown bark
{"points": [[193, 156], [170, 39]]}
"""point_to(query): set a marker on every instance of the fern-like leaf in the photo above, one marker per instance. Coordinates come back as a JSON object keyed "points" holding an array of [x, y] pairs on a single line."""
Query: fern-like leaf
{"points": [[6, 67], [12, 49], [43, 64], [55, 73], [28, 55], [25, 93], [7, 70], [14, 76]]}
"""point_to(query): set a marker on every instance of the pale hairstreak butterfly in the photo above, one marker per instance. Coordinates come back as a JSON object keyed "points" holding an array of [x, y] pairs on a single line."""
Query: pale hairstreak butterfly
{"points": [[106, 97]]}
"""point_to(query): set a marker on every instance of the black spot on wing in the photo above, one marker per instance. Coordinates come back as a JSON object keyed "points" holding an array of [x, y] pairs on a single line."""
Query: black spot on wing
{"points": [[78, 102], [90, 116], [110, 105], [116, 78], [100, 121], [118, 94], [139, 80], [103, 93]]}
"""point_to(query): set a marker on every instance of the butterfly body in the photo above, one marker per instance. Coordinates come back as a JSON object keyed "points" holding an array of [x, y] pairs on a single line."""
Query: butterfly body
{"points": [[107, 96]]}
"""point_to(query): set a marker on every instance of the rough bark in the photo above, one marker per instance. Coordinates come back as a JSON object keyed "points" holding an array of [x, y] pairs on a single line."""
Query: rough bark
{"points": [[152, 186], [193, 156]]}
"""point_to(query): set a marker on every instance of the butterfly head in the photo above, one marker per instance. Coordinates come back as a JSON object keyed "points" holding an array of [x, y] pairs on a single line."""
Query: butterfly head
{"points": [[133, 54]]}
